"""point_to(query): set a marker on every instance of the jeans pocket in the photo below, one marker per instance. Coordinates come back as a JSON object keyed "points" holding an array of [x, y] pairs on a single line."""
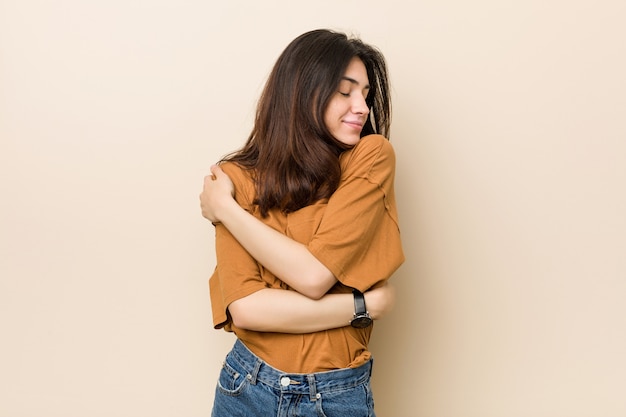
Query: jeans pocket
{"points": [[232, 381], [354, 402]]}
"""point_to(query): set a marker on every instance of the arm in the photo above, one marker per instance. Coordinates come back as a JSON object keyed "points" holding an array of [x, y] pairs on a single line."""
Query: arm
{"points": [[277, 310], [289, 260]]}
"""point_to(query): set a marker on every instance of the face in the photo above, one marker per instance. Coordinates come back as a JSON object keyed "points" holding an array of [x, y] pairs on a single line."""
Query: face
{"points": [[347, 112]]}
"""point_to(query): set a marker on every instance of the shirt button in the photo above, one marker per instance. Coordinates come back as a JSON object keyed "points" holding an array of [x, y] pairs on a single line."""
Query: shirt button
{"points": [[284, 381]]}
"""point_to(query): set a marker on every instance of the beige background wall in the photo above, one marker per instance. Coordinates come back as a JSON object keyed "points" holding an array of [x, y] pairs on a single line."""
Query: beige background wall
{"points": [[510, 132]]}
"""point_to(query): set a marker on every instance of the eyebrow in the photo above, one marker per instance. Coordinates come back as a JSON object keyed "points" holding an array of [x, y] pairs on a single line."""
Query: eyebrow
{"points": [[353, 81]]}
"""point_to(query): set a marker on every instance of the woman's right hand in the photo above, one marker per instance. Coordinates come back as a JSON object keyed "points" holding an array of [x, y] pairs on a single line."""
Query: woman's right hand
{"points": [[218, 190], [380, 301]]}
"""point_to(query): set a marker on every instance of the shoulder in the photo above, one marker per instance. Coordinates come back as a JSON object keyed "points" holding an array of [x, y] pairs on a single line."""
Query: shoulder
{"points": [[233, 169], [374, 141], [372, 151], [242, 181]]}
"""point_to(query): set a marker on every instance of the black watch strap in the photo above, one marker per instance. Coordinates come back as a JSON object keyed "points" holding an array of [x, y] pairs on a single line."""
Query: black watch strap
{"points": [[359, 302], [361, 318]]}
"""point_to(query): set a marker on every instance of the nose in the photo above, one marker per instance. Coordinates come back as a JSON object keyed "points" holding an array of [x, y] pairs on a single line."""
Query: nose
{"points": [[359, 106]]}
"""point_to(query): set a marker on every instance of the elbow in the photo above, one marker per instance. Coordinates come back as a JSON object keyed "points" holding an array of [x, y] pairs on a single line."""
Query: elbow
{"points": [[240, 315], [312, 295], [313, 280], [324, 281], [317, 287], [314, 292]]}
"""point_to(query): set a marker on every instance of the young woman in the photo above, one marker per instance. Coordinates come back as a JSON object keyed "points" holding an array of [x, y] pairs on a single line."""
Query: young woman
{"points": [[306, 221]]}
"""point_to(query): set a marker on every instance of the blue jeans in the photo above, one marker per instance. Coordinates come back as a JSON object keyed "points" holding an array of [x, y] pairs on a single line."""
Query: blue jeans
{"points": [[248, 387]]}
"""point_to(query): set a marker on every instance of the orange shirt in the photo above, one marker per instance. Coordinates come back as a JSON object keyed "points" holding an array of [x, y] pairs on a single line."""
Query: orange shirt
{"points": [[354, 233]]}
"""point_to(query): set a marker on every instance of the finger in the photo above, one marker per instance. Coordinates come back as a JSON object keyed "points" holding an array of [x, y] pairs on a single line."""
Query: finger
{"points": [[217, 171], [208, 179]]}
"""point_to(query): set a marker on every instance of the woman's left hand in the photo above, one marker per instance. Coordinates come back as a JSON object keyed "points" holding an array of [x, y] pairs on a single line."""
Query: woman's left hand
{"points": [[218, 189]]}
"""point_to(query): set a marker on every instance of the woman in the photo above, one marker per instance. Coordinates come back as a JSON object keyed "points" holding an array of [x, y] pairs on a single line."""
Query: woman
{"points": [[312, 225]]}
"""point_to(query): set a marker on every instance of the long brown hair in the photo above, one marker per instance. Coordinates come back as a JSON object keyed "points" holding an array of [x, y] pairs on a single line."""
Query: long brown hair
{"points": [[293, 156]]}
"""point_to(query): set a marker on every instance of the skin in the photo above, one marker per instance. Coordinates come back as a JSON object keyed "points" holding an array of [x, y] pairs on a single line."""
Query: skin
{"points": [[277, 310], [347, 111]]}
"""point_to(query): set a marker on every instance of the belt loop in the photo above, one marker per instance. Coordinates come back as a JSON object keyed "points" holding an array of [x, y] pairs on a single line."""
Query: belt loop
{"points": [[255, 371], [312, 387]]}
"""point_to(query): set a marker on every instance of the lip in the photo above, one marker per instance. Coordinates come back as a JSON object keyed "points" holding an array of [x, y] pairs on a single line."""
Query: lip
{"points": [[355, 124]]}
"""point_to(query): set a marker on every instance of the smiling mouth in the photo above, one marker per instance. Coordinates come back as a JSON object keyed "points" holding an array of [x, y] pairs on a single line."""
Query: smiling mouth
{"points": [[355, 124]]}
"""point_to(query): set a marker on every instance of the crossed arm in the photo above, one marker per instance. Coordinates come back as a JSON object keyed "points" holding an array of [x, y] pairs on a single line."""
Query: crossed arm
{"points": [[276, 310], [288, 260]]}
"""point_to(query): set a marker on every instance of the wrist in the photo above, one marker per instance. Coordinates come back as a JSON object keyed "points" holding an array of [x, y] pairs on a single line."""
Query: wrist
{"points": [[372, 303], [224, 208], [362, 318]]}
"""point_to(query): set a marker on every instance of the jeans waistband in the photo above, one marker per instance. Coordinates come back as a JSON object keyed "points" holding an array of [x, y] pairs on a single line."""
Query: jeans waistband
{"points": [[313, 384]]}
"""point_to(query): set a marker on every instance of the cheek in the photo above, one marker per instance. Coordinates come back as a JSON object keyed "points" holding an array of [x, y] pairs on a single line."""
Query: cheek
{"points": [[329, 115], [333, 112]]}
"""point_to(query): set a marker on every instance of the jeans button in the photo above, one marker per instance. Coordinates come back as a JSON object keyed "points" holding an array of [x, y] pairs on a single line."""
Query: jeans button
{"points": [[284, 381]]}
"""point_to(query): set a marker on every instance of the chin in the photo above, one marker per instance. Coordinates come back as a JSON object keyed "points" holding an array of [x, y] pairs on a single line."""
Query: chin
{"points": [[349, 140]]}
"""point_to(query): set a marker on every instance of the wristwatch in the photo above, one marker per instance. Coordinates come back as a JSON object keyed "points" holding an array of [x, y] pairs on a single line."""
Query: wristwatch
{"points": [[362, 318]]}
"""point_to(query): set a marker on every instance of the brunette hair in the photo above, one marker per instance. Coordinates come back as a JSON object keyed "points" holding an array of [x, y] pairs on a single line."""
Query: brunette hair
{"points": [[290, 151]]}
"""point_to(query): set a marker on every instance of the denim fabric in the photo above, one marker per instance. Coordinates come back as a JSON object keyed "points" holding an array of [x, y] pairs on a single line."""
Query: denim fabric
{"points": [[248, 387]]}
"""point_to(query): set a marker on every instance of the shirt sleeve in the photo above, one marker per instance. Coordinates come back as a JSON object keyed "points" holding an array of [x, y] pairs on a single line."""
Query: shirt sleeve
{"points": [[237, 274], [359, 238]]}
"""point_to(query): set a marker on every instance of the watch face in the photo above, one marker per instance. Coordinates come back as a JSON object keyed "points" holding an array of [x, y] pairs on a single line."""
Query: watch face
{"points": [[361, 322]]}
